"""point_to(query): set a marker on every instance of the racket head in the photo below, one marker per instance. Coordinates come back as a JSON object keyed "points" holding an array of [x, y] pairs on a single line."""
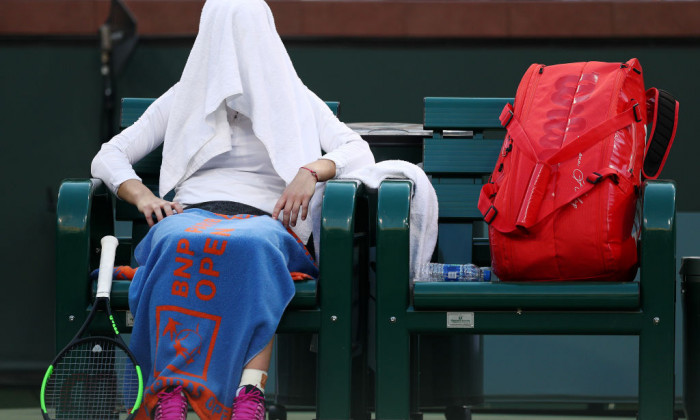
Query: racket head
{"points": [[94, 377]]}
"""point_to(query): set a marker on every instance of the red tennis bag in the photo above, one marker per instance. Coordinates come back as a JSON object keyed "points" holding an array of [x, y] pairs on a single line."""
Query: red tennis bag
{"points": [[562, 200]]}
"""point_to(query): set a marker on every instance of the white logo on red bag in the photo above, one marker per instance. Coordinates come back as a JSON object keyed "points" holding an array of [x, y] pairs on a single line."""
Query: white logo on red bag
{"points": [[578, 176]]}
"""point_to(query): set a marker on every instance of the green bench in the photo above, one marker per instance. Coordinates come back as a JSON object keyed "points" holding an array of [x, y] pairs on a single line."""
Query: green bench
{"points": [[87, 211], [458, 163]]}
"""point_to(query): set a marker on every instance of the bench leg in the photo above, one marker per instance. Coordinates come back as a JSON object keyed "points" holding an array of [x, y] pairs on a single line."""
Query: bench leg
{"points": [[656, 372], [334, 371], [392, 371]]}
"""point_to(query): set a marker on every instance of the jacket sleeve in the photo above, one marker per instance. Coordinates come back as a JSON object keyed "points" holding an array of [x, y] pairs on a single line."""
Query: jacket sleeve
{"points": [[341, 145], [113, 164]]}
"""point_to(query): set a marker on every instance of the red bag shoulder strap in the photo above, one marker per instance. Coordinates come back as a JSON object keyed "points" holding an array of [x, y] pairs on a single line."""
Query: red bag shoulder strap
{"points": [[662, 111], [529, 212]]}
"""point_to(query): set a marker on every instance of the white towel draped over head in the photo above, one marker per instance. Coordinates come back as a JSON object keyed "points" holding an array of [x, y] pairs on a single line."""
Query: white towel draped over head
{"points": [[238, 60]]}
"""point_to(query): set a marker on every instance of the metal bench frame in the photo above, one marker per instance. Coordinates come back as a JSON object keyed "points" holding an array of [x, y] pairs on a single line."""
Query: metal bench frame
{"points": [[644, 309]]}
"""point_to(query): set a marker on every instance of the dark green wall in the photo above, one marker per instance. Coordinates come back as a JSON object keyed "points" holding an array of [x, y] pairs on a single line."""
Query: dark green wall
{"points": [[50, 108], [49, 105]]}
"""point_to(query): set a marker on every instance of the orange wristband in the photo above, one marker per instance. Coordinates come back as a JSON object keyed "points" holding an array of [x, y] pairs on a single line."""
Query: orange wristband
{"points": [[312, 172]]}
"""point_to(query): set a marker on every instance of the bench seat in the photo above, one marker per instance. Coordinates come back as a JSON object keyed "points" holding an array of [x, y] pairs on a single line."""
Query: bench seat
{"points": [[304, 296], [526, 296]]}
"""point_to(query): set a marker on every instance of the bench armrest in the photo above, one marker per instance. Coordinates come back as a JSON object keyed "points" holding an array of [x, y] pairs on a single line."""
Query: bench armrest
{"points": [[338, 219], [338, 267], [342, 269], [393, 215], [658, 248], [84, 215]]}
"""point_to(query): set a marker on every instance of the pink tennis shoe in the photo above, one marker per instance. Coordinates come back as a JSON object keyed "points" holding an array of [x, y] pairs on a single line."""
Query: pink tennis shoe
{"points": [[172, 405], [249, 404]]}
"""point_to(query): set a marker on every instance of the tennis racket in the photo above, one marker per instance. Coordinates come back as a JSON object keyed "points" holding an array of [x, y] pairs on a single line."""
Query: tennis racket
{"points": [[94, 377]]}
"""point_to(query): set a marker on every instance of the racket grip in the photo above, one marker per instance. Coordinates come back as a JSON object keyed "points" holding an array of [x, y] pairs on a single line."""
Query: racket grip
{"points": [[104, 279]]}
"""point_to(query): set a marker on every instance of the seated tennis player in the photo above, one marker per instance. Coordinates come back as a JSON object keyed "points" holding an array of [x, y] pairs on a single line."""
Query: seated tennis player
{"points": [[242, 139]]}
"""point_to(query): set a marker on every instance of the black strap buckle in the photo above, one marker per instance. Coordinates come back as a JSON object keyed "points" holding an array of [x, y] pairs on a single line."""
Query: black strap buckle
{"points": [[510, 118], [491, 214], [599, 177], [637, 117]]}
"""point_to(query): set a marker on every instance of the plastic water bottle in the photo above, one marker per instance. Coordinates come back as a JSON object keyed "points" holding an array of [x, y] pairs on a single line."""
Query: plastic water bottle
{"points": [[434, 272]]}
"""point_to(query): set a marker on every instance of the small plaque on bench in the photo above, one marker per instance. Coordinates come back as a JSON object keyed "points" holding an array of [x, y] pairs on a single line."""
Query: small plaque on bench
{"points": [[460, 320]]}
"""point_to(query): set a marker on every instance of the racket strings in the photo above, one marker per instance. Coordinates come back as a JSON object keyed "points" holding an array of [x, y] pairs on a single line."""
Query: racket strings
{"points": [[95, 379]]}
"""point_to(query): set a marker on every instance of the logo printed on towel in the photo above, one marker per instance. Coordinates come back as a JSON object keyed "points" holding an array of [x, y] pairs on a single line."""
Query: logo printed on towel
{"points": [[185, 341]]}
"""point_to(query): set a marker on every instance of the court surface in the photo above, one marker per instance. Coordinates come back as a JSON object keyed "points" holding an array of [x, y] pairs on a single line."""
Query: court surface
{"points": [[33, 413]]}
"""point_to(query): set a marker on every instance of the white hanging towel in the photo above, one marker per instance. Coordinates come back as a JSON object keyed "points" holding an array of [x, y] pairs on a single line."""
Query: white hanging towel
{"points": [[424, 205]]}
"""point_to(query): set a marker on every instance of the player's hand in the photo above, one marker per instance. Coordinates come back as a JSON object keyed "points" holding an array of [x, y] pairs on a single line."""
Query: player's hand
{"points": [[156, 208], [152, 207], [296, 198]]}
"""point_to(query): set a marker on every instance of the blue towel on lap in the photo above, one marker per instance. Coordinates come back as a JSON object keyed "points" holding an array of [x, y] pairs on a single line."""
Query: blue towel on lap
{"points": [[207, 297]]}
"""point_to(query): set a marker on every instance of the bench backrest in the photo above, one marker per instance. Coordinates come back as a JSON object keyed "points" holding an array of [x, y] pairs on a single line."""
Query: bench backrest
{"points": [[459, 157], [148, 169]]}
